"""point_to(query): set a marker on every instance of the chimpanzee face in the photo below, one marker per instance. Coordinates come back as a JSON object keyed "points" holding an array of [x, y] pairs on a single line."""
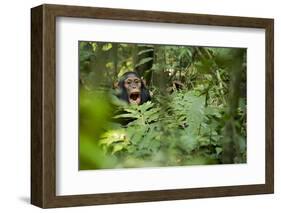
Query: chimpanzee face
{"points": [[132, 89], [133, 86]]}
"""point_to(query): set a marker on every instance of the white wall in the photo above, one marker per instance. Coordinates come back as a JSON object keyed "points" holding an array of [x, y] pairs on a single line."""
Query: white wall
{"points": [[15, 104]]}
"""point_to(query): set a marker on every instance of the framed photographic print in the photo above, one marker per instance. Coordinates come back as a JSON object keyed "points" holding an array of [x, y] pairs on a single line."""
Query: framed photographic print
{"points": [[136, 106]]}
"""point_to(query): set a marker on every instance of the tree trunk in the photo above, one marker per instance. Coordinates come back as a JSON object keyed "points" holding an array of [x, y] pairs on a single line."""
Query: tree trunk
{"points": [[230, 140]]}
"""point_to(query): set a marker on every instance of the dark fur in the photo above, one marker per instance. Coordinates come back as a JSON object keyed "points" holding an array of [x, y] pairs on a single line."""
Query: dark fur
{"points": [[123, 95]]}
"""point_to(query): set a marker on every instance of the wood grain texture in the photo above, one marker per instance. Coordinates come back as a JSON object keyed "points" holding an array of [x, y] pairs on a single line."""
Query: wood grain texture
{"points": [[36, 106], [43, 108], [43, 105], [269, 108], [156, 16]]}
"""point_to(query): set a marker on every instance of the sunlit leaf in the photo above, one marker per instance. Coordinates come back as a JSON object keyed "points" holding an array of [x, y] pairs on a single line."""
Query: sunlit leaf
{"points": [[106, 46]]}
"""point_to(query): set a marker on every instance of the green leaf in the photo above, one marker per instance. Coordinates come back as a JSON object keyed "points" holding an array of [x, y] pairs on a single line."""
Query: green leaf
{"points": [[131, 115], [117, 147], [218, 150], [145, 51], [143, 61], [106, 46]]}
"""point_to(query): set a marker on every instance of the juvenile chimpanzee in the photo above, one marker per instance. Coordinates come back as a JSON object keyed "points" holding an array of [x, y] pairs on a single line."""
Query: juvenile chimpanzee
{"points": [[132, 89]]}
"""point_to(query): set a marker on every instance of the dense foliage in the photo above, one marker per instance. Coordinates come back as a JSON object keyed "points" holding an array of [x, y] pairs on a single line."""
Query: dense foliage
{"points": [[197, 114]]}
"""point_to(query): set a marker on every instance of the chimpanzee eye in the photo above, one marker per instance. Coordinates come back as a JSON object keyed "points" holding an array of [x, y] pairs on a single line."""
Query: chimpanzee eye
{"points": [[137, 81]]}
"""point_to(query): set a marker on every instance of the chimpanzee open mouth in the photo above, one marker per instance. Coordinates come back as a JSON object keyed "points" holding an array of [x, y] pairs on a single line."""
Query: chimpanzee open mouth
{"points": [[135, 98]]}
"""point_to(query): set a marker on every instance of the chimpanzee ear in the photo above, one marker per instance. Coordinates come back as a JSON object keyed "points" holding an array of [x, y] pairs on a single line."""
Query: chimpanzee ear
{"points": [[143, 81], [116, 85]]}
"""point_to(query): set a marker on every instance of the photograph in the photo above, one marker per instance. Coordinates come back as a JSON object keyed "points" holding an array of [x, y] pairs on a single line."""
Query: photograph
{"points": [[161, 105], [138, 105]]}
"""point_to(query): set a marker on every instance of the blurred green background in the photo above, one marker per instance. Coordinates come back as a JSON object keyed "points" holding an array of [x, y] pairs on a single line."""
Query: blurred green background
{"points": [[197, 114]]}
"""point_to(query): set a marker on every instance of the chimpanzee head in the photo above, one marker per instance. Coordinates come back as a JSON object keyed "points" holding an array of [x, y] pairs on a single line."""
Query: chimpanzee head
{"points": [[133, 89]]}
